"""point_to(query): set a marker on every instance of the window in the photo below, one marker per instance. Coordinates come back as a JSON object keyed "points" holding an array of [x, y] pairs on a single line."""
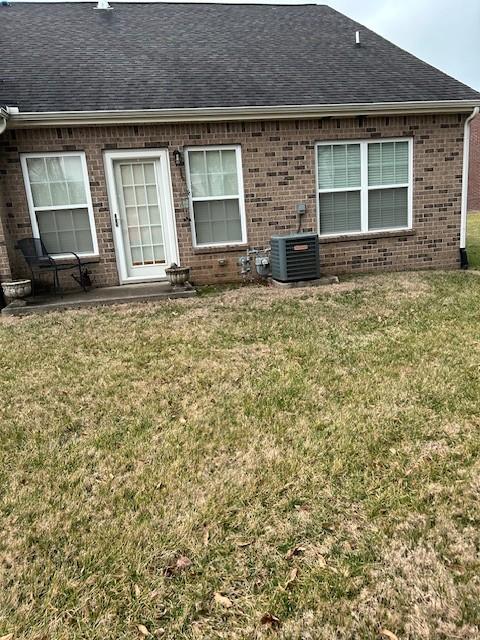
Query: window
{"points": [[364, 186], [60, 204], [215, 186]]}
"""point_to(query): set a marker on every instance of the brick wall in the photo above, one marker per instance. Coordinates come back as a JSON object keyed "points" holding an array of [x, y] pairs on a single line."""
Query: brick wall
{"points": [[473, 202], [279, 172]]}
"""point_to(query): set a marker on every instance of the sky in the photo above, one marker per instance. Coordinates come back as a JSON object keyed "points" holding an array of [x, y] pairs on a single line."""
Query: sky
{"points": [[444, 33]]}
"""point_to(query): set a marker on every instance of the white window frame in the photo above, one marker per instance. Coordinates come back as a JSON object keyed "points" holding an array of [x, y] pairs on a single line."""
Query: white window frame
{"points": [[88, 205], [364, 188], [240, 197]]}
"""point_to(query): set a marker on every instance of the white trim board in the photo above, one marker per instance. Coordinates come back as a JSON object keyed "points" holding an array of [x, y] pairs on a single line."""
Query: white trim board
{"points": [[206, 114]]}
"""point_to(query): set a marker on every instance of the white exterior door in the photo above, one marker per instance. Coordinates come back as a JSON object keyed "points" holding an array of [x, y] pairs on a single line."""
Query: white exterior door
{"points": [[142, 211]]}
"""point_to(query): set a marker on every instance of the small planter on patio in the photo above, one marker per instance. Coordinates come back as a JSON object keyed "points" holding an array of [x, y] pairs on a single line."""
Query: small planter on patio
{"points": [[177, 276], [16, 290]]}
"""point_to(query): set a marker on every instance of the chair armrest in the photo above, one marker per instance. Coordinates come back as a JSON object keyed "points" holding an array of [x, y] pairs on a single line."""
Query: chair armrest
{"points": [[65, 253]]}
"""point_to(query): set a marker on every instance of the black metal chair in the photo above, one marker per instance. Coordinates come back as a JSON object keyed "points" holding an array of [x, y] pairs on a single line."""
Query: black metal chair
{"points": [[40, 261]]}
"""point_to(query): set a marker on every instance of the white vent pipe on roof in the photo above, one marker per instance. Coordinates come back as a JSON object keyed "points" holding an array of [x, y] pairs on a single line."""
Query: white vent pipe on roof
{"points": [[357, 38], [103, 4]]}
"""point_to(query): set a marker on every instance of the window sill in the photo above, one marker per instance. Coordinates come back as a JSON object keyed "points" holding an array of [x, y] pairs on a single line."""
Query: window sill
{"points": [[224, 249], [83, 260], [374, 235]]}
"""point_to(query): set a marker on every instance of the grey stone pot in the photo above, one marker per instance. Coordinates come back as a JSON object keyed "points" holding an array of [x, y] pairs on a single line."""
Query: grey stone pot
{"points": [[16, 290], [177, 276]]}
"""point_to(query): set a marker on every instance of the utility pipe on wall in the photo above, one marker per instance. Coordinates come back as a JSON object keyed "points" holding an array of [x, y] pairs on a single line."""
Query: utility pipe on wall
{"points": [[466, 163]]}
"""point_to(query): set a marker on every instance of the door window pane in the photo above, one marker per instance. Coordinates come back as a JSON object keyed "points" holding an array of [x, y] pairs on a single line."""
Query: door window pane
{"points": [[138, 177], [149, 173], [159, 253], [127, 174], [157, 234]]}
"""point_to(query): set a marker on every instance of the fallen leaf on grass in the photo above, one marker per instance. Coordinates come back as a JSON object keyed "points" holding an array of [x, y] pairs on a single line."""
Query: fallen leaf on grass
{"points": [[183, 563], [388, 634], [303, 507], [206, 536], [271, 620], [177, 566], [292, 577], [136, 589], [223, 601], [9, 636], [143, 630], [295, 551], [286, 486], [244, 543]]}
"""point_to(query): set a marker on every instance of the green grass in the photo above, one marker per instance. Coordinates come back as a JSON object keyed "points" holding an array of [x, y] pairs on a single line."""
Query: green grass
{"points": [[252, 464], [473, 239]]}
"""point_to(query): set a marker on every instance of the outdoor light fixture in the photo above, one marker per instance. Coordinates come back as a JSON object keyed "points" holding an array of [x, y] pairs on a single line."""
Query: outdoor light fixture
{"points": [[178, 158]]}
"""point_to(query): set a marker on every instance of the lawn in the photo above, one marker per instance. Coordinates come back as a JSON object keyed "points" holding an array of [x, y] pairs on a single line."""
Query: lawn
{"points": [[246, 465], [473, 239]]}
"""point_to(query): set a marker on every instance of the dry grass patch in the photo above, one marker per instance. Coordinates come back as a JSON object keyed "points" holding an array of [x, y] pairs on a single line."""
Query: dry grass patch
{"points": [[254, 464]]}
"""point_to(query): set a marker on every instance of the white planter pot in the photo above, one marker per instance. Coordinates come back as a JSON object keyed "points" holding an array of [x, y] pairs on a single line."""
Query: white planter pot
{"points": [[16, 290]]}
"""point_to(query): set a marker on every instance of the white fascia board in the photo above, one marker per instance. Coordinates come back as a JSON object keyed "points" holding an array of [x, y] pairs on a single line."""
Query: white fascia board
{"points": [[3, 119], [209, 114]]}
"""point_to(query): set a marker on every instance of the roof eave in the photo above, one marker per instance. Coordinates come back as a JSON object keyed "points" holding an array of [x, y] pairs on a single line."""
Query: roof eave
{"points": [[204, 114]]}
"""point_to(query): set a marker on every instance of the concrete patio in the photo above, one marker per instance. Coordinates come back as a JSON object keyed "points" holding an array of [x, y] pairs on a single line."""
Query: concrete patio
{"points": [[126, 294]]}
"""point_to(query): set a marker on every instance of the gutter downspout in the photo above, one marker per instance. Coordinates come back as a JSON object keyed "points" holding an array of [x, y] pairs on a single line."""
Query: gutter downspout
{"points": [[463, 208]]}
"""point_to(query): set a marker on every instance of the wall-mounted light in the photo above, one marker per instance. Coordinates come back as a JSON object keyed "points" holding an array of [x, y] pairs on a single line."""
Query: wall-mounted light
{"points": [[178, 158]]}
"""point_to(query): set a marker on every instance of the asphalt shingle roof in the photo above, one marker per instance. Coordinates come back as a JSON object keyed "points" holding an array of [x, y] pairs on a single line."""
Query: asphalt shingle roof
{"points": [[71, 57]]}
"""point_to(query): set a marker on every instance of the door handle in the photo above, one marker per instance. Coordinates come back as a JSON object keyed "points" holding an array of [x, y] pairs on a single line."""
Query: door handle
{"points": [[115, 217]]}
